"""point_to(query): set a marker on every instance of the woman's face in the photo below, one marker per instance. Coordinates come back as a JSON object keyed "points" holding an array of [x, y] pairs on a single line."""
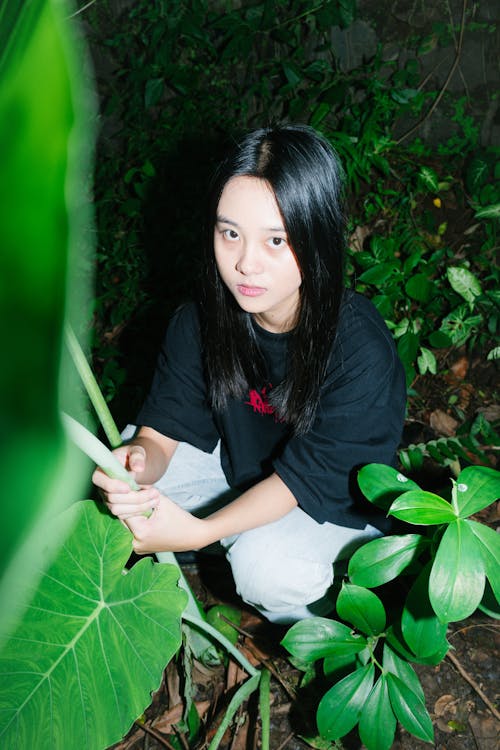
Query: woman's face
{"points": [[253, 256]]}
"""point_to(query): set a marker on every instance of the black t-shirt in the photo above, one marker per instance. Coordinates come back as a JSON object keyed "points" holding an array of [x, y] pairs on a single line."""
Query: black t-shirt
{"points": [[359, 419]]}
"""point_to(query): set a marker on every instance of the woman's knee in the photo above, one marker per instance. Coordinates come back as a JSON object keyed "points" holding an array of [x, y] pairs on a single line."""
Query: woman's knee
{"points": [[272, 580]]}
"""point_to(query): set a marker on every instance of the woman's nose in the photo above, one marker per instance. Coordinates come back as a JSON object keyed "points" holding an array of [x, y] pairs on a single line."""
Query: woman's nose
{"points": [[249, 262]]}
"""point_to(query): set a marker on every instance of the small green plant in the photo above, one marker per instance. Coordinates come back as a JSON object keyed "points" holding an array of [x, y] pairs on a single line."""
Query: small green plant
{"points": [[471, 440], [445, 574]]}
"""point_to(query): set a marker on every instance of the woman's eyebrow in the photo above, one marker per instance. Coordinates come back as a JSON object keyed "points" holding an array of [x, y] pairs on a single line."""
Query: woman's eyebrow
{"points": [[224, 220]]}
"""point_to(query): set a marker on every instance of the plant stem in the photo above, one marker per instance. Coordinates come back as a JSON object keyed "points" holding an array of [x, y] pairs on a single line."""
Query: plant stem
{"points": [[264, 707], [93, 390], [200, 624], [241, 694]]}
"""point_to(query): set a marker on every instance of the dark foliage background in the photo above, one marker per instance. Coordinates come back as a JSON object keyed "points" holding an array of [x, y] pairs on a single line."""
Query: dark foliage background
{"points": [[400, 94]]}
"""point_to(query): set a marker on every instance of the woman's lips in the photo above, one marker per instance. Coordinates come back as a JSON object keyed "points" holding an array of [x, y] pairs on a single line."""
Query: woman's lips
{"points": [[250, 291]]}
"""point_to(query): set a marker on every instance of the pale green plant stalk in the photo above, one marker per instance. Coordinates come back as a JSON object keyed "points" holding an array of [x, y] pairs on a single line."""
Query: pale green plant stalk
{"points": [[93, 390]]}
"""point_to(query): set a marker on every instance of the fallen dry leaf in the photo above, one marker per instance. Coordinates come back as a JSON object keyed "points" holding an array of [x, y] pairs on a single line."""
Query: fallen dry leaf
{"points": [[165, 722], [442, 423], [485, 730], [446, 704], [460, 367]]}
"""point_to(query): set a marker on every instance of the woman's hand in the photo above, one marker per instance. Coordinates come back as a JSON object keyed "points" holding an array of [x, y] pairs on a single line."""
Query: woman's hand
{"points": [[168, 529], [117, 495]]}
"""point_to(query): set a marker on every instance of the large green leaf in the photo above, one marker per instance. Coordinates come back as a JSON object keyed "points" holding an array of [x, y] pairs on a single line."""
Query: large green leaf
{"points": [[422, 630], [489, 544], [456, 583], [382, 484], [91, 637], [362, 608], [381, 560], [409, 709], [396, 640], [393, 663], [476, 487], [317, 637], [377, 723], [422, 508], [340, 707], [46, 135]]}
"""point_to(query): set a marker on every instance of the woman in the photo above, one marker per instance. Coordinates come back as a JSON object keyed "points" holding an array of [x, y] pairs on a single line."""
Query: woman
{"points": [[271, 391]]}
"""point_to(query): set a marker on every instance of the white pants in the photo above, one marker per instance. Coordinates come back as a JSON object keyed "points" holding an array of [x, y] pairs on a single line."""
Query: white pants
{"points": [[284, 569]]}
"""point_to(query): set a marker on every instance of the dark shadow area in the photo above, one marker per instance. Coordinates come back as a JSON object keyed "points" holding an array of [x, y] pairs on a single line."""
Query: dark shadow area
{"points": [[172, 247]]}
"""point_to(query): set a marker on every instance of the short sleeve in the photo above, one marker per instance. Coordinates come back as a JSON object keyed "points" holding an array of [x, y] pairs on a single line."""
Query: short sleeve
{"points": [[359, 421], [177, 403]]}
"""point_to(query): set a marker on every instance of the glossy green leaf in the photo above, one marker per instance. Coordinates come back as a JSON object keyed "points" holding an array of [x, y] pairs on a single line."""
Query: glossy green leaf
{"points": [[381, 560], [439, 340], [419, 288], [395, 664], [490, 604], [409, 709], [380, 273], [341, 664], [396, 640], [488, 212], [407, 347], [421, 628], [377, 723], [476, 487], [459, 325], [362, 608], [317, 637], [429, 178], [489, 545], [46, 136], [381, 484], [91, 637], [340, 708], [422, 508], [218, 617], [456, 583], [476, 174], [464, 283], [426, 361]]}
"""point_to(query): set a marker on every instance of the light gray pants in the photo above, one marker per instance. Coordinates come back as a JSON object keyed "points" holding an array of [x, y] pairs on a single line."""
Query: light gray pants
{"points": [[284, 569]]}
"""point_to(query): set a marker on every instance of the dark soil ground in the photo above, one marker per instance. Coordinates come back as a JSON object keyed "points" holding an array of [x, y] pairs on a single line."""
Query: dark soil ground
{"points": [[461, 692]]}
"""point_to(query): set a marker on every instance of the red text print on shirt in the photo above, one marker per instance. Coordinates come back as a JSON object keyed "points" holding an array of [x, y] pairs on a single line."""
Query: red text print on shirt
{"points": [[259, 401]]}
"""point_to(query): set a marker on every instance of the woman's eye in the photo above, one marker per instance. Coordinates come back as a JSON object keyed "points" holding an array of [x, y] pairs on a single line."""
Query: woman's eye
{"points": [[230, 234], [277, 241]]}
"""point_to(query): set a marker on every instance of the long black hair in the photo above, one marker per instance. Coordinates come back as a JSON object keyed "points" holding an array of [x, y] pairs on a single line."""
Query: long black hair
{"points": [[305, 176]]}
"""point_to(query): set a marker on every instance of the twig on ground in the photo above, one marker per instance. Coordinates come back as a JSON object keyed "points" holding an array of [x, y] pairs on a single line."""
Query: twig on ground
{"points": [[158, 737], [286, 741], [486, 625], [473, 684]]}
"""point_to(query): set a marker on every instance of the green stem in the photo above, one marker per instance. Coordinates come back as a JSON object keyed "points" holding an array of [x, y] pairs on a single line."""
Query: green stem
{"points": [[265, 707], [93, 390], [241, 694], [203, 625]]}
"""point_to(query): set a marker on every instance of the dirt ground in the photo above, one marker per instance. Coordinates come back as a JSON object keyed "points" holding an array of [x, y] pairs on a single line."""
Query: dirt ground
{"points": [[462, 692]]}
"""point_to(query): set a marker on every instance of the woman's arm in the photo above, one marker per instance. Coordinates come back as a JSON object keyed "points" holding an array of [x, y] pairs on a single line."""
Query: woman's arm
{"points": [[172, 529]]}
